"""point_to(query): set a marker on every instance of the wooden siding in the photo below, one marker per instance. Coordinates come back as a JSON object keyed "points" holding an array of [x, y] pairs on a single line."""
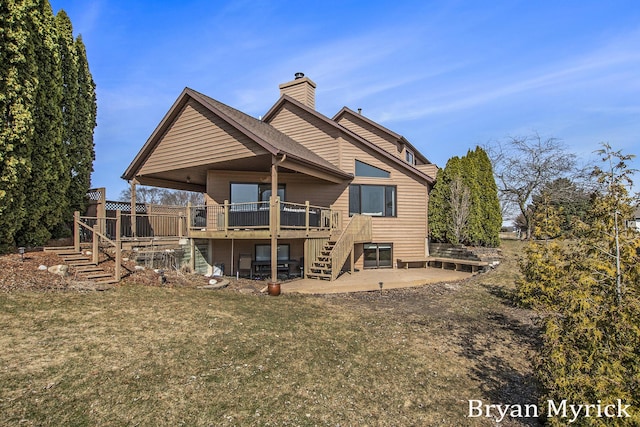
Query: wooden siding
{"points": [[430, 169], [371, 134], [407, 231], [298, 188], [198, 137], [223, 254], [303, 90], [307, 130]]}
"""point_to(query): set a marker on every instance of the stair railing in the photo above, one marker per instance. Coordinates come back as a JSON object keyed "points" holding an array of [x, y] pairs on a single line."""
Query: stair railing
{"points": [[97, 236], [358, 230]]}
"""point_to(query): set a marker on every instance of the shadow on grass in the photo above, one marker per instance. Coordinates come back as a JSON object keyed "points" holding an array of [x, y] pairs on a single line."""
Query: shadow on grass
{"points": [[491, 345]]}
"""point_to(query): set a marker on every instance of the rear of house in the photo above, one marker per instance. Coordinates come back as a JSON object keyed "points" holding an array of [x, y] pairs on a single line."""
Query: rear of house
{"points": [[318, 194]]}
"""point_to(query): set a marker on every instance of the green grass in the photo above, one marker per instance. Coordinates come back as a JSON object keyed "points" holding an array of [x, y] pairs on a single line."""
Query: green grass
{"points": [[158, 356]]}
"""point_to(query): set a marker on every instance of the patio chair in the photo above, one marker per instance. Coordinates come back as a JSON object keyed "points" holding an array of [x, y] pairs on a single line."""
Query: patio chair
{"points": [[244, 264]]}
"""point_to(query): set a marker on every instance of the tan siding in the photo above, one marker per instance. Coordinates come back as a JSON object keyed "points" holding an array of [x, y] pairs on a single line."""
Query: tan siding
{"points": [[430, 169], [298, 188], [302, 92], [222, 251], [408, 230], [318, 137], [371, 134], [198, 137]]}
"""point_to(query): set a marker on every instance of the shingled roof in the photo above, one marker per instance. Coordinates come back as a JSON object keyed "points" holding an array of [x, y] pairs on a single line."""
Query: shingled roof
{"points": [[265, 135]]}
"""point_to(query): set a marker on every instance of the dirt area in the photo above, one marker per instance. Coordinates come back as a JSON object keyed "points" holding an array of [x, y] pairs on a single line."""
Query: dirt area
{"points": [[25, 273]]}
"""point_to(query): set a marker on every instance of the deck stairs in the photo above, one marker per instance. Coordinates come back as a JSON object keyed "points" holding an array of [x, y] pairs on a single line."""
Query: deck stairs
{"points": [[328, 261], [321, 266], [82, 267]]}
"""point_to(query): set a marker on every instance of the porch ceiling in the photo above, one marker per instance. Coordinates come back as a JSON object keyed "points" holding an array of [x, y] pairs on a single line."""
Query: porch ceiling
{"points": [[195, 178]]}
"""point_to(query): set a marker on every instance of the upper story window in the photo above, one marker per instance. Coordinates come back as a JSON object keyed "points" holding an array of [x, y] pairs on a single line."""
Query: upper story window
{"points": [[410, 157], [363, 169], [373, 200]]}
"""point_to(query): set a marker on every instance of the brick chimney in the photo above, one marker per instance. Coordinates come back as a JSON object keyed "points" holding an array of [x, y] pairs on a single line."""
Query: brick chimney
{"points": [[301, 89]]}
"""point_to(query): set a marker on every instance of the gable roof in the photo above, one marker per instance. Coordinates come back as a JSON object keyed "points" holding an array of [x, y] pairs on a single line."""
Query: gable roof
{"points": [[263, 134], [395, 160], [347, 111]]}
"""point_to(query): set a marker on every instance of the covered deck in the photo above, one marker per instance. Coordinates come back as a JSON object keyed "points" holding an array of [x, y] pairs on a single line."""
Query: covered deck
{"points": [[254, 220]]}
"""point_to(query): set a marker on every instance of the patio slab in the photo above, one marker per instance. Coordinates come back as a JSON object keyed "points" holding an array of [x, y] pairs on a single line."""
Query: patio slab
{"points": [[368, 280]]}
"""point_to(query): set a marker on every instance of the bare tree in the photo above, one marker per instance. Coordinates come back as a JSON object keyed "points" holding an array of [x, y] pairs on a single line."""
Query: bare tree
{"points": [[163, 196], [523, 165], [460, 208]]}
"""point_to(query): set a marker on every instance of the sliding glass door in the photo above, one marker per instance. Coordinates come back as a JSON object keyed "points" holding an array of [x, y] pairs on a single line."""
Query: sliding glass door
{"points": [[378, 255]]}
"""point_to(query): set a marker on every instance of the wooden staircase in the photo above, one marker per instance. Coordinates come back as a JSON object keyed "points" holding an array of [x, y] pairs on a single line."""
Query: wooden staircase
{"points": [[321, 266], [328, 261], [82, 266]]}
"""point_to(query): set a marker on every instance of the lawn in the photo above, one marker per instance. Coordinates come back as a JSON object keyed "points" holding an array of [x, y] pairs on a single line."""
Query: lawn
{"points": [[143, 355]]}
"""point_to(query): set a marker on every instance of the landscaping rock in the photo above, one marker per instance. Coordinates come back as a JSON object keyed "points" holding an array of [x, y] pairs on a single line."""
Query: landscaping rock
{"points": [[60, 270]]}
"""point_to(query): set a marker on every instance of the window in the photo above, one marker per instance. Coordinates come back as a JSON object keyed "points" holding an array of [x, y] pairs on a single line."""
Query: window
{"points": [[374, 200], [243, 193], [263, 252], [363, 169], [378, 255], [410, 157]]}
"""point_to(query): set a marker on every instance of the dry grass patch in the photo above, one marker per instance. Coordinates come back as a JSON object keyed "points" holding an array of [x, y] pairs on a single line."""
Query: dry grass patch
{"points": [[159, 356]]}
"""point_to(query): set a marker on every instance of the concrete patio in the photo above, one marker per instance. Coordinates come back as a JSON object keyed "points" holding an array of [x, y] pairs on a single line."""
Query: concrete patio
{"points": [[369, 280]]}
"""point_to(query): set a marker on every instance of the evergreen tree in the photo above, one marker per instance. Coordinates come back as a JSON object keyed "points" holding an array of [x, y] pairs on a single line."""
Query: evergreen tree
{"points": [[488, 201], [451, 219], [18, 85], [589, 294], [47, 117], [81, 146], [69, 65], [46, 192], [439, 208], [570, 201], [470, 176]]}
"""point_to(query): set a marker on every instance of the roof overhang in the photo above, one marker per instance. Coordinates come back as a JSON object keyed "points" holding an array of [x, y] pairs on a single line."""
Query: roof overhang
{"points": [[194, 178]]}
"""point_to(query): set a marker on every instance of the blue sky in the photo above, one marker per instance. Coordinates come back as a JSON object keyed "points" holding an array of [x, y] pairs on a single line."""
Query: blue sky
{"points": [[447, 75]]}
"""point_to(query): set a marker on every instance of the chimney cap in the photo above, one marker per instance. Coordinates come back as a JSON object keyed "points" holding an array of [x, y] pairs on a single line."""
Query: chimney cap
{"points": [[299, 75]]}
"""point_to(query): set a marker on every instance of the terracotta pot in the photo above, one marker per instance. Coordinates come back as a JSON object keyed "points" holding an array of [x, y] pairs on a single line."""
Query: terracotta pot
{"points": [[273, 289]]}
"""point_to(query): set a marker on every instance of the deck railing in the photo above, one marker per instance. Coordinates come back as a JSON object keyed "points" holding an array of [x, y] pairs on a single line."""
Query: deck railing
{"points": [[256, 216], [92, 230], [357, 231]]}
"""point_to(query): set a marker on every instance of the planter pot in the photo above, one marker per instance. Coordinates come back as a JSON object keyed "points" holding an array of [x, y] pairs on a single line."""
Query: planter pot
{"points": [[273, 289]]}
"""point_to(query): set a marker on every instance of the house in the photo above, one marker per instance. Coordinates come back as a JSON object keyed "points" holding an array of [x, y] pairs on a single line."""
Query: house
{"points": [[318, 194]]}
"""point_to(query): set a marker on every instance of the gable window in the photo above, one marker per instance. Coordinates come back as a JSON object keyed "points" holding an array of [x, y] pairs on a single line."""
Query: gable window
{"points": [[410, 158], [374, 200], [363, 169]]}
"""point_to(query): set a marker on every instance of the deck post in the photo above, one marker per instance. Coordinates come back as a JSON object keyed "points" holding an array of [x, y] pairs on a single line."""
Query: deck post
{"points": [[133, 209], [273, 226], [189, 219], [118, 245], [192, 255], [306, 215], [226, 217], [94, 247], [101, 212], [76, 231]]}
